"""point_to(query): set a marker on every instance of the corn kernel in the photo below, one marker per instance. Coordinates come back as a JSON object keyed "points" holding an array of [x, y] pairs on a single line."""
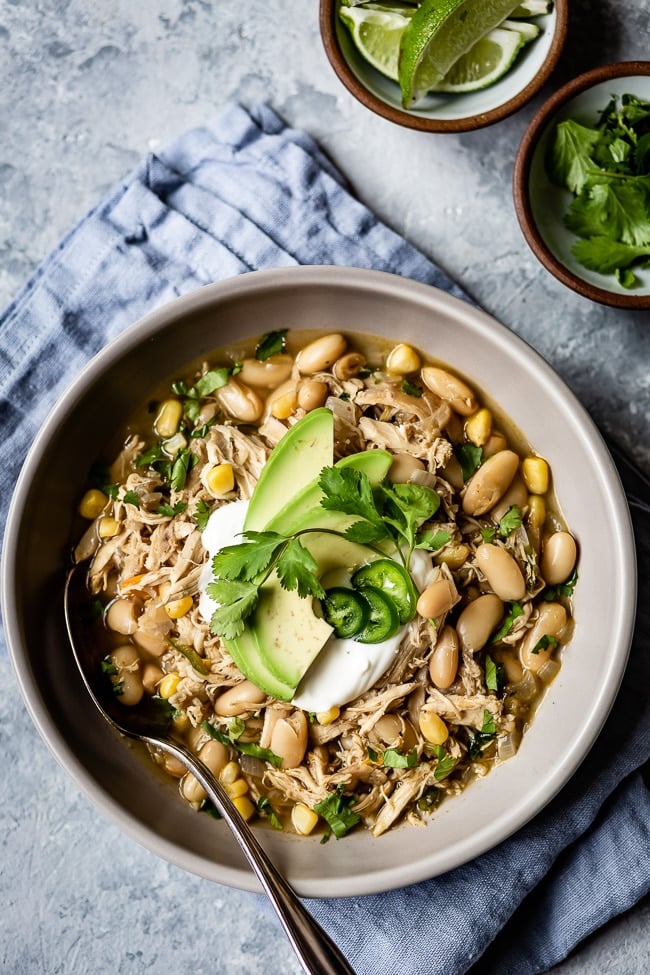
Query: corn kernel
{"points": [[168, 685], [92, 504], [179, 607], [303, 818], [181, 723], [402, 359], [285, 405], [478, 428], [244, 807], [535, 473], [229, 773], [327, 717], [536, 511], [108, 527], [220, 480], [433, 727], [168, 418], [454, 555], [237, 788]]}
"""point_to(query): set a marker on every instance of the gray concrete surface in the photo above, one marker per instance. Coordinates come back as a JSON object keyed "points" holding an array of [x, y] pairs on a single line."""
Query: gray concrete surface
{"points": [[86, 88]]}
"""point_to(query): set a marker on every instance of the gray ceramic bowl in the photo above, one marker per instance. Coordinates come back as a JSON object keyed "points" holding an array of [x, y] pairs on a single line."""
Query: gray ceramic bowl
{"points": [[541, 205], [438, 112], [116, 778]]}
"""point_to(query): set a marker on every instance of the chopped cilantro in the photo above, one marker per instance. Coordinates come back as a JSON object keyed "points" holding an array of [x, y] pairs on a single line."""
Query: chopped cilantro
{"points": [[469, 457], [606, 167], [551, 593], [202, 513], [336, 810], [131, 497], [515, 611], [432, 541], [108, 667], [510, 521], [411, 389], [392, 758], [171, 512], [488, 534], [478, 740], [271, 344], [494, 674], [265, 808], [545, 641], [445, 763]]}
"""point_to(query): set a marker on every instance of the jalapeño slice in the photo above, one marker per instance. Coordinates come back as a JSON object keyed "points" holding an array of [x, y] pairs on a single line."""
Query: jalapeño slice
{"points": [[395, 583], [383, 619], [345, 610]]}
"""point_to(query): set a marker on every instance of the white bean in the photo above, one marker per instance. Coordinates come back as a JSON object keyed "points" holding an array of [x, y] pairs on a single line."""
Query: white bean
{"points": [[478, 620], [239, 699], [490, 482], [550, 622], [450, 388], [321, 353], [504, 576], [443, 665], [269, 373], [558, 558]]}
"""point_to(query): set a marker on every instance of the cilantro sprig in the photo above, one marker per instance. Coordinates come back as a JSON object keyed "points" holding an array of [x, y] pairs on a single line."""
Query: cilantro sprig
{"points": [[388, 512], [607, 168]]}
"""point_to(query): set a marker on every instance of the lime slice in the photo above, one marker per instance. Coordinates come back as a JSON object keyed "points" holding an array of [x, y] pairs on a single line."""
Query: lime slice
{"points": [[376, 31], [438, 34], [528, 31], [485, 62]]}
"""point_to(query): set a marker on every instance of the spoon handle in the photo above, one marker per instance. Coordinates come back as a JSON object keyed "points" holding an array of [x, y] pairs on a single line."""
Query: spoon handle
{"points": [[316, 952]]}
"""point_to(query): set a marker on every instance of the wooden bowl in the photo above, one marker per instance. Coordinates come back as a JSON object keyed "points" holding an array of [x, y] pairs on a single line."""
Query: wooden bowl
{"points": [[541, 205], [443, 112]]}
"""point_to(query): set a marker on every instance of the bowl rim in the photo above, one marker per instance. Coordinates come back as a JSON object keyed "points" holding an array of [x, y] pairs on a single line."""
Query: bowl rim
{"points": [[298, 278], [521, 174], [327, 21]]}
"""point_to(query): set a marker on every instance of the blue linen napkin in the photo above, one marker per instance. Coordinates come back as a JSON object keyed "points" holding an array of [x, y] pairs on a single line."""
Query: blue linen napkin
{"points": [[248, 193]]}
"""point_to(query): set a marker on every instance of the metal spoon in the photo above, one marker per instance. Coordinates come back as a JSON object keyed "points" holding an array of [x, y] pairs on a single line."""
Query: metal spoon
{"points": [[317, 954]]}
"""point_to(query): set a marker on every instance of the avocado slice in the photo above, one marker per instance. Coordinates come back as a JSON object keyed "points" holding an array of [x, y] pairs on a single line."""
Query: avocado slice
{"points": [[305, 449], [287, 632], [246, 654]]}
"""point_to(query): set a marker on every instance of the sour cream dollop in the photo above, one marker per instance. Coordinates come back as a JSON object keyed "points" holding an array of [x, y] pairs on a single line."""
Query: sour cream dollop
{"points": [[344, 669]]}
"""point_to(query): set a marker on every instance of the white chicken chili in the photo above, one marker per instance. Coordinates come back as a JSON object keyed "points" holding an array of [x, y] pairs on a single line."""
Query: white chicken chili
{"points": [[340, 569]]}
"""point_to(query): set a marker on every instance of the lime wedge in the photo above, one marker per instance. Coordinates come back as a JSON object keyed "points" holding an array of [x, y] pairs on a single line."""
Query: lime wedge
{"points": [[438, 34], [533, 8], [485, 62], [376, 32], [528, 31]]}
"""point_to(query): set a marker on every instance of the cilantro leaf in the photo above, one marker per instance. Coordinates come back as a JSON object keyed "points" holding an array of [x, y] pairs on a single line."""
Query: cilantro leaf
{"points": [[432, 541], [479, 739], [566, 588], [265, 808], [392, 758], [211, 381], [248, 559], [545, 641], [237, 600], [169, 511], [511, 521], [488, 534], [365, 532], [202, 514], [297, 569], [131, 497], [619, 211], [515, 611], [570, 159], [271, 344], [336, 810], [493, 674], [348, 491], [445, 763], [469, 457], [185, 461], [411, 389], [604, 256]]}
